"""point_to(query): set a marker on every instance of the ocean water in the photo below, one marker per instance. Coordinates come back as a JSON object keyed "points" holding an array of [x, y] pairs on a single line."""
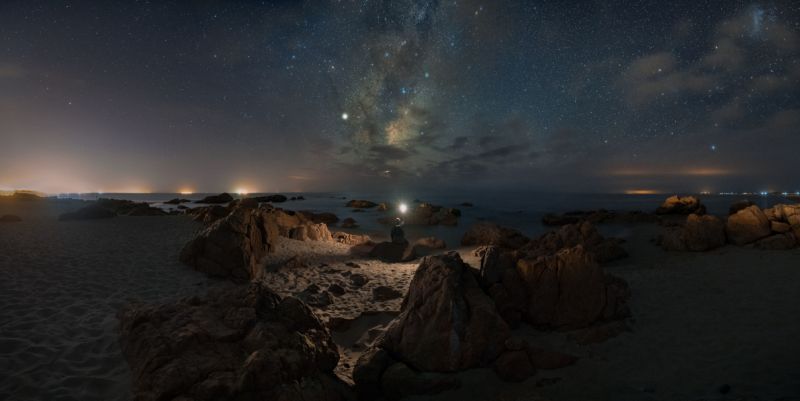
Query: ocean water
{"points": [[519, 210]]}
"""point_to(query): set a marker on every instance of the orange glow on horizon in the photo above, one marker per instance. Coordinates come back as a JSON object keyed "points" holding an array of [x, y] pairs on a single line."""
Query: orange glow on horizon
{"points": [[690, 171], [642, 192]]}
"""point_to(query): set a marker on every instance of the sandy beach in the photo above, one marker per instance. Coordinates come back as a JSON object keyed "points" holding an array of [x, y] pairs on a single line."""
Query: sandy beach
{"points": [[717, 325]]}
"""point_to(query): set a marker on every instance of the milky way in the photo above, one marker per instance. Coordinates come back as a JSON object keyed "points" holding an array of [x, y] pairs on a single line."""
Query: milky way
{"points": [[363, 94]]}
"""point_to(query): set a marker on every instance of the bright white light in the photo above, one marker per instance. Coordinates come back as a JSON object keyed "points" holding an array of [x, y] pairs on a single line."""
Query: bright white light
{"points": [[345, 116], [403, 208]]}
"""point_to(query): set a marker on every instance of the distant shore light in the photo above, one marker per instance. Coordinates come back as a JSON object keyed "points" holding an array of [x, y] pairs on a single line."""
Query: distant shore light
{"points": [[403, 208], [241, 191]]}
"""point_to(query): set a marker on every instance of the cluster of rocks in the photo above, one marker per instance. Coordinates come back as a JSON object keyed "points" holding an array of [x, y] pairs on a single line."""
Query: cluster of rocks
{"points": [[681, 205], [404, 251], [452, 319], [107, 208], [216, 199], [241, 343], [777, 227]]}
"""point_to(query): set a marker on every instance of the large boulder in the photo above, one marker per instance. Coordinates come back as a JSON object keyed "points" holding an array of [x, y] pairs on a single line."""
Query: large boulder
{"points": [[486, 233], [700, 233], [569, 290], [216, 199], [431, 215], [311, 232], [426, 246], [231, 247], [747, 225], [241, 343], [208, 214], [323, 217], [570, 235], [351, 239], [361, 204], [739, 205], [681, 205], [91, 212], [446, 322], [781, 216], [777, 242], [392, 252]]}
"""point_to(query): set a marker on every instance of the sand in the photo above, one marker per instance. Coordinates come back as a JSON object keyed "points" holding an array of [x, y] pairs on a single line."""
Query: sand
{"points": [[700, 320], [61, 284]]}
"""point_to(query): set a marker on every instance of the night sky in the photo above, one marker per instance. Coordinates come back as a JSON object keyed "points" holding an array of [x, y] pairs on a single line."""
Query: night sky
{"points": [[132, 96]]}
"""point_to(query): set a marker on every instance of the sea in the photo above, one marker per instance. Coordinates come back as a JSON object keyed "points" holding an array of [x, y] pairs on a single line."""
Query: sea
{"points": [[520, 210]]}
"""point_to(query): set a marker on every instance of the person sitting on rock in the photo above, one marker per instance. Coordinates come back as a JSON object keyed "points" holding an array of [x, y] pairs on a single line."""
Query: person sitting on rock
{"points": [[398, 236]]}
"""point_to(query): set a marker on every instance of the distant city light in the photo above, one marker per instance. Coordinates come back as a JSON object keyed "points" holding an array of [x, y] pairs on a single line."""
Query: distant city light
{"points": [[241, 191]]}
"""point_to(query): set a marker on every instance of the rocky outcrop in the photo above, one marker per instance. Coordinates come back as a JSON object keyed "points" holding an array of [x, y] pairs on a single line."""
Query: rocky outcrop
{"points": [[324, 217], [216, 199], [90, 212], [747, 225], [242, 343], [486, 233], [231, 247], [426, 246], [432, 215], [277, 198], [208, 214], [10, 218], [361, 204], [392, 252], [681, 205], [699, 233], [349, 223], [739, 205], [777, 242], [351, 239], [311, 232], [781, 216], [446, 307], [176, 201], [569, 290], [570, 235], [143, 209]]}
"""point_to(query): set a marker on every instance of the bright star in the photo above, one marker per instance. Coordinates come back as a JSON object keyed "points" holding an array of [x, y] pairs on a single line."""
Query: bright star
{"points": [[713, 147]]}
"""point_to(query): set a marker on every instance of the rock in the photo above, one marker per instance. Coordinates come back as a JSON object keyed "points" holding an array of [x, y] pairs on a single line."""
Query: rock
{"points": [[545, 359], [216, 199], [358, 279], [445, 307], [176, 201], [432, 215], [485, 233], [747, 225], [336, 289], [311, 232], [400, 381], [361, 204], [510, 297], [384, 293], [368, 372], [466, 204], [231, 247], [317, 298], [493, 263], [777, 242], [10, 218], [283, 221], [514, 366], [700, 233], [384, 206], [681, 205], [426, 246], [392, 252], [567, 290], [779, 227], [351, 239], [739, 205], [91, 212], [277, 198], [208, 214], [324, 217], [349, 223], [570, 235], [239, 343], [143, 209]]}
